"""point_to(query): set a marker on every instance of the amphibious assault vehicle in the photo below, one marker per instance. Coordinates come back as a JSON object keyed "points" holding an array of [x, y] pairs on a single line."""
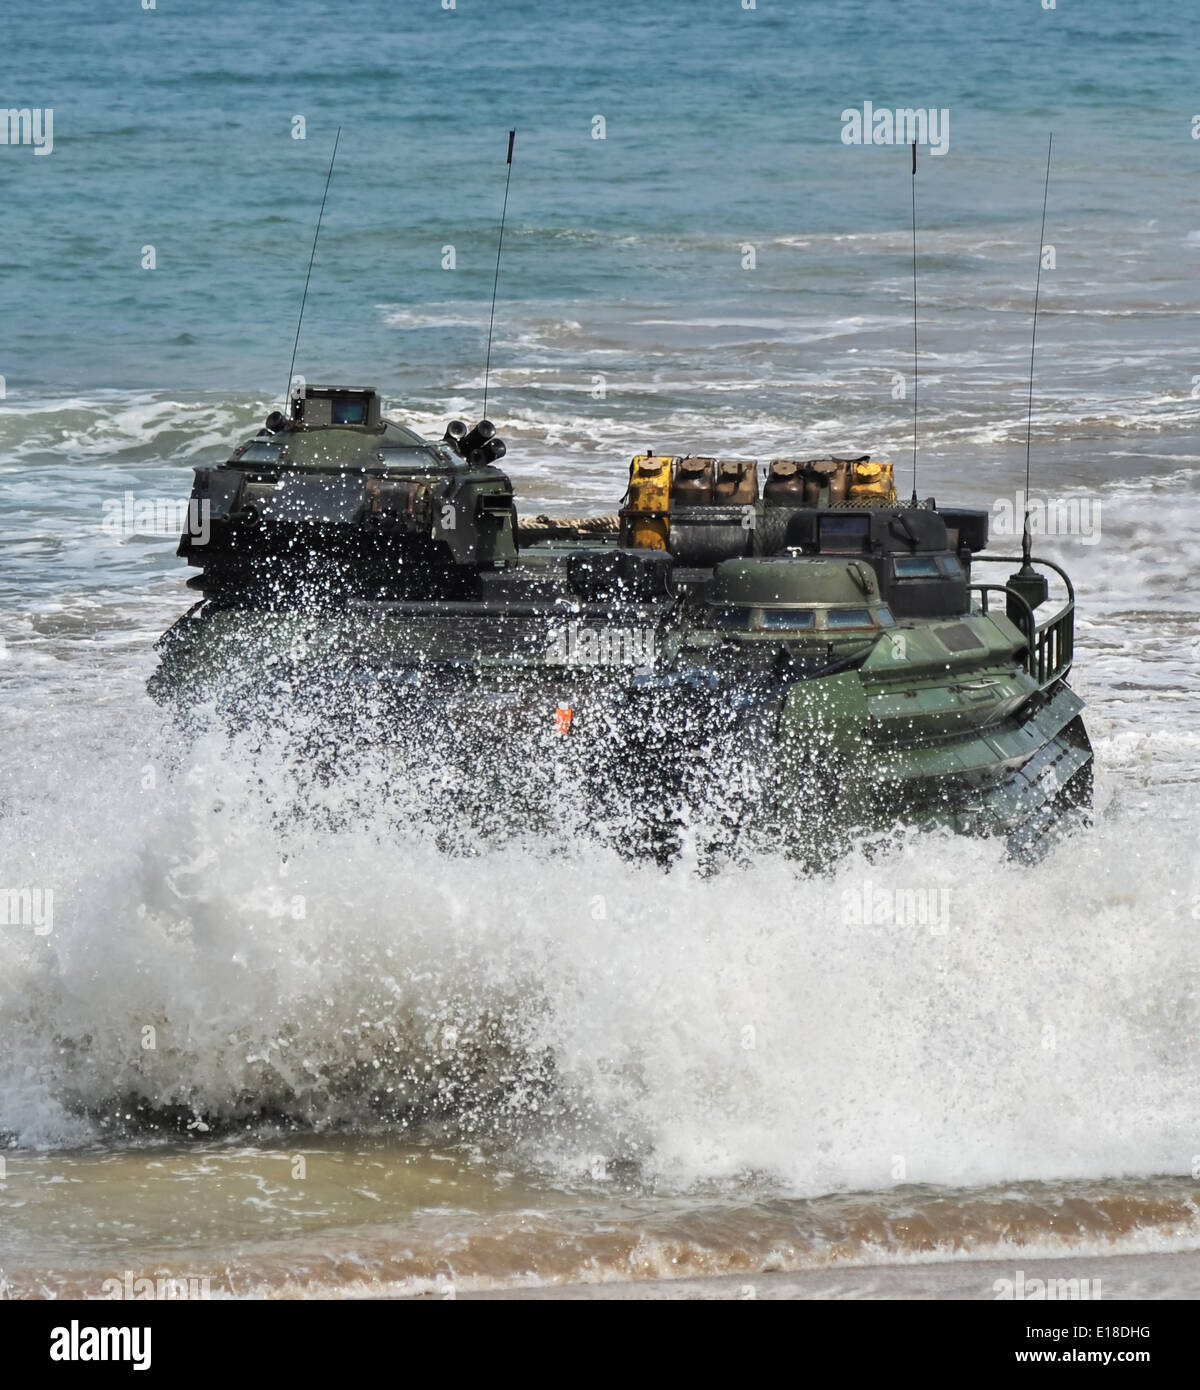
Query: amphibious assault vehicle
{"points": [[781, 654]]}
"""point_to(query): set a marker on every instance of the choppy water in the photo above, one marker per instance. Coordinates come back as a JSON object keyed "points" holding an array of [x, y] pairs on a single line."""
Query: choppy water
{"points": [[528, 1067]]}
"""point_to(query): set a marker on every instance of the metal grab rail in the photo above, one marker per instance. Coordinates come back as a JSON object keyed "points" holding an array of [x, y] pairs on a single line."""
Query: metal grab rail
{"points": [[1056, 646], [1020, 560], [1052, 645]]}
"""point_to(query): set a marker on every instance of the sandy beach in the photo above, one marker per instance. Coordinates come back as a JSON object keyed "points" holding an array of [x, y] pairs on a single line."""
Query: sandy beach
{"points": [[1122, 1277]]}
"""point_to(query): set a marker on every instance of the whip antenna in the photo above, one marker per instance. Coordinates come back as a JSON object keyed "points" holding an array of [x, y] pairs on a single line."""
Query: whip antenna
{"points": [[487, 367], [1026, 538], [312, 257], [915, 359]]}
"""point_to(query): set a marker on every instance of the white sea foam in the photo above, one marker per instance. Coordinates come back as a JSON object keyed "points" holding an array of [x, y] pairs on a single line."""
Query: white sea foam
{"points": [[701, 1027]]}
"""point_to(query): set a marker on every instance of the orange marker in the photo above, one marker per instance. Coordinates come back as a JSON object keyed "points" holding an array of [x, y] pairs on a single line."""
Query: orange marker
{"points": [[562, 719]]}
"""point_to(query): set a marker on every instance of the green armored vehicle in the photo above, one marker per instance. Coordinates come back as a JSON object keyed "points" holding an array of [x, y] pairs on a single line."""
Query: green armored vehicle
{"points": [[783, 656]]}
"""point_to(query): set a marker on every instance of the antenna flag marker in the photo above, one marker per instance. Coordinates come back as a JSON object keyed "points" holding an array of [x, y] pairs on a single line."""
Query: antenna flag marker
{"points": [[487, 366], [311, 259], [916, 358], [1037, 291]]}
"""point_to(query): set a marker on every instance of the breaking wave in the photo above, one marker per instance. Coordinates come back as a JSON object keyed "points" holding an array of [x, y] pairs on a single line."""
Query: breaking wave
{"points": [[339, 969]]}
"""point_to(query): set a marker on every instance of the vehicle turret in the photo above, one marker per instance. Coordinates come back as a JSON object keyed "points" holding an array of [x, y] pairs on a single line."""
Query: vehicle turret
{"points": [[336, 491]]}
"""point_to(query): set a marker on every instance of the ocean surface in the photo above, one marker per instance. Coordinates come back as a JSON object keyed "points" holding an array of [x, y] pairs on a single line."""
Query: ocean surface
{"points": [[527, 1068]]}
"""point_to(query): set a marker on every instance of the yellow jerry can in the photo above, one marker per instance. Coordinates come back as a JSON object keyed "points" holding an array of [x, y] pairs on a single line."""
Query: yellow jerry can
{"points": [[872, 481], [645, 517]]}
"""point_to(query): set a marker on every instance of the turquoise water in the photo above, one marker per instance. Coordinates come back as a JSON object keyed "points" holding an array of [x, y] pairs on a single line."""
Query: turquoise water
{"points": [[173, 129]]}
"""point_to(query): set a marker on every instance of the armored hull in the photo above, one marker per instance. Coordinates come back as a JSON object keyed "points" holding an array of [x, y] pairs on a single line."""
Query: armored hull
{"points": [[797, 664]]}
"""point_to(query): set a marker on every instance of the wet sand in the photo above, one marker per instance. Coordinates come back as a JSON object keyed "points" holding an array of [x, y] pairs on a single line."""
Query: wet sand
{"points": [[1122, 1277]]}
